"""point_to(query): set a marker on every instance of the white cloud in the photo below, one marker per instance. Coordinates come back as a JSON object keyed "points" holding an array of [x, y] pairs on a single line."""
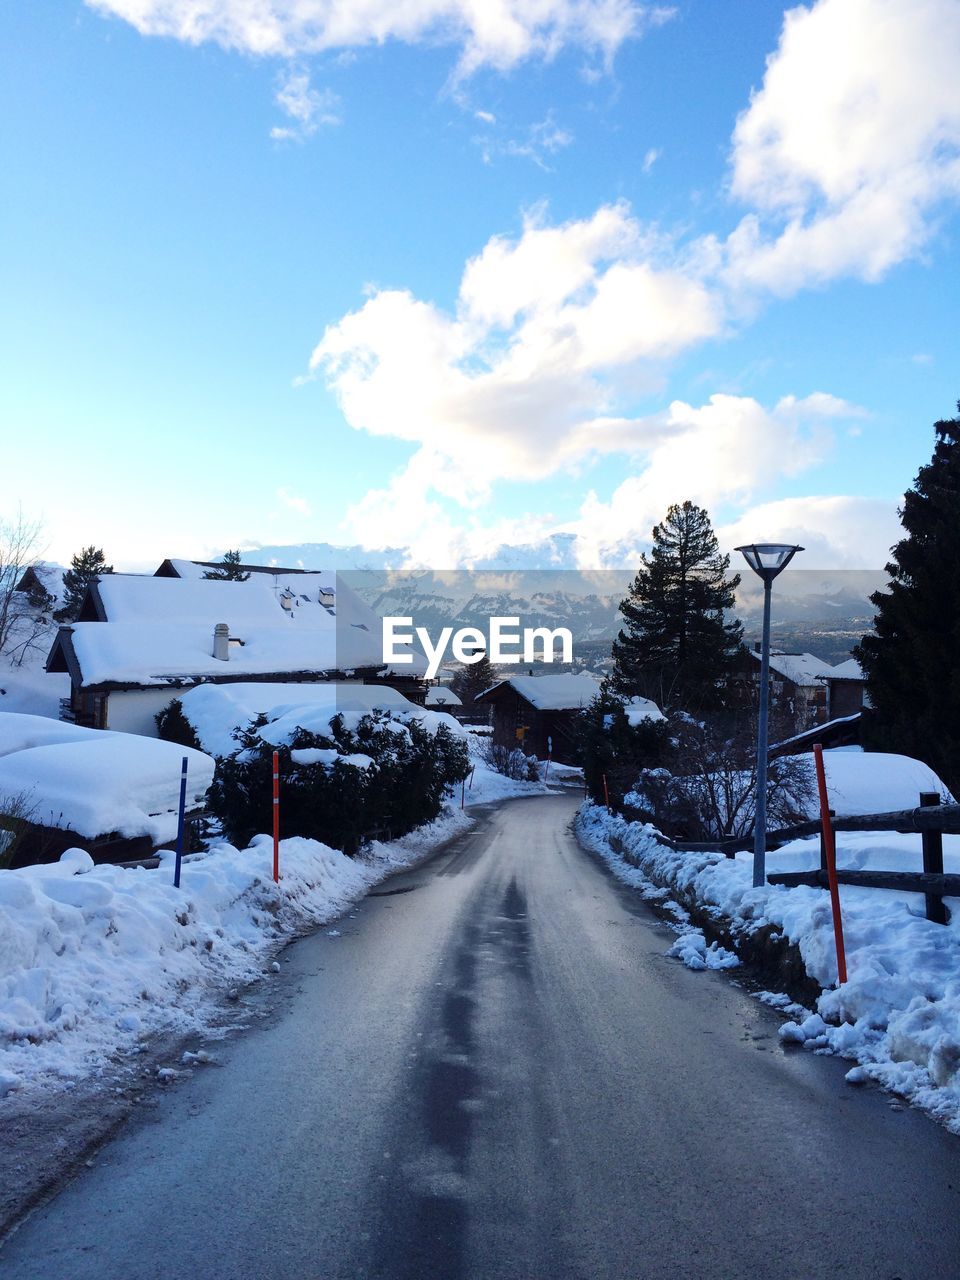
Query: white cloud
{"points": [[836, 532], [307, 107], [527, 376], [485, 117], [293, 502], [650, 159], [723, 453], [545, 138], [850, 145], [497, 33]]}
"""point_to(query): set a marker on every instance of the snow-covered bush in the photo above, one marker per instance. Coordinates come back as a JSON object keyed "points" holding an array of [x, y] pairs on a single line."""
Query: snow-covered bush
{"points": [[173, 726], [16, 813], [706, 788], [511, 762], [343, 786], [615, 745]]}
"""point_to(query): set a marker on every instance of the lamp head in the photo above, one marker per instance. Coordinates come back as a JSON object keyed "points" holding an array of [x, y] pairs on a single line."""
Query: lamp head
{"points": [[767, 559]]}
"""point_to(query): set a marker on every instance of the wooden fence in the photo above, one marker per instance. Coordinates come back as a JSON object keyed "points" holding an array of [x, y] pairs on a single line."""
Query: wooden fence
{"points": [[931, 819]]}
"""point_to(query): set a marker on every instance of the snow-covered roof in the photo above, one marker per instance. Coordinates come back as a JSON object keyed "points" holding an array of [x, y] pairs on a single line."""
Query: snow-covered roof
{"points": [[215, 710], [640, 709], [439, 695], [95, 782], [161, 629], [798, 668], [849, 670], [551, 693]]}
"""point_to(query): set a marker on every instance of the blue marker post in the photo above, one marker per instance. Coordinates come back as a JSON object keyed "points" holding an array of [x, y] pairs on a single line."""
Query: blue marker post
{"points": [[180, 822]]}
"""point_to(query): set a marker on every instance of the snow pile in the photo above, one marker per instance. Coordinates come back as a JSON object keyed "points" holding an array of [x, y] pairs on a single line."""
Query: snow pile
{"points": [[98, 783], [95, 958], [898, 1015], [875, 782], [691, 947]]}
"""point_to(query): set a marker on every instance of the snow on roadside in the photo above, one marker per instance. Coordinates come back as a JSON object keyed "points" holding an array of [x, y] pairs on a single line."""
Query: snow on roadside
{"points": [[487, 785], [96, 959], [897, 1016]]}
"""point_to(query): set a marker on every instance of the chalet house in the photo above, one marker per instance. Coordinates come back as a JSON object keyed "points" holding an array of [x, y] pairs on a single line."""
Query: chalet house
{"points": [[441, 698], [846, 694], [538, 713], [141, 640], [797, 684]]}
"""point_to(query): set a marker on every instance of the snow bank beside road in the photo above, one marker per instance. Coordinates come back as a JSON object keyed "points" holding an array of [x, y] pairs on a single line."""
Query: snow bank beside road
{"points": [[898, 1015], [95, 958]]}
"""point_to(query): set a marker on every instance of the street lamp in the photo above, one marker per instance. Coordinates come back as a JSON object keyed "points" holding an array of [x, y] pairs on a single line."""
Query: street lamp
{"points": [[766, 559]]}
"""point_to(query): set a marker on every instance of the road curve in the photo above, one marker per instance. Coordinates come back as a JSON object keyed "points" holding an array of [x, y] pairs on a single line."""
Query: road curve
{"points": [[493, 1071]]}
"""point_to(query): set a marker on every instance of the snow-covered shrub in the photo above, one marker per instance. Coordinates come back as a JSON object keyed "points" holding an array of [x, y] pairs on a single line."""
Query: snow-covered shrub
{"points": [[16, 814], [511, 762], [706, 788], [613, 747], [173, 726], [343, 787]]}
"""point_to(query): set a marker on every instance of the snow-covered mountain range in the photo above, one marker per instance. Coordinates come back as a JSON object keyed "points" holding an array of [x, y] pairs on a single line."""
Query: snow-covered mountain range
{"points": [[821, 611]]}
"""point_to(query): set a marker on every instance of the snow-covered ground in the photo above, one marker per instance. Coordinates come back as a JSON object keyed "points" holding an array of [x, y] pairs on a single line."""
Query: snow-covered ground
{"points": [[897, 1016], [94, 960], [485, 785], [97, 960]]}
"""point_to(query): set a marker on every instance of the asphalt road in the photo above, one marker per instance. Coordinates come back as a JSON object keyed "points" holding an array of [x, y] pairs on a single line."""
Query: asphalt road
{"points": [[494, 1071]]}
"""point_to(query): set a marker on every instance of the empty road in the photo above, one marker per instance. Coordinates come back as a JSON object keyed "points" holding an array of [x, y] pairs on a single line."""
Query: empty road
{"points": [[494, 1071]]}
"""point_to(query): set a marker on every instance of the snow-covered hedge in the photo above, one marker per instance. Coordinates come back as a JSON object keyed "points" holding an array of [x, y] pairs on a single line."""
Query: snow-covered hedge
{"points": [[340, 785]]}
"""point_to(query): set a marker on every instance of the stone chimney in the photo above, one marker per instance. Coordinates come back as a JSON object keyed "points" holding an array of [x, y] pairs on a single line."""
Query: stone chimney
{"points": [[221, 642]]}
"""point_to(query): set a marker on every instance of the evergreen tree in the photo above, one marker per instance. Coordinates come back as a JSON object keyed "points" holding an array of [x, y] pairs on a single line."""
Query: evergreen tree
{"points": [[229, 569], [910, 660], [473, 678], [675, 646], [85, 567]]}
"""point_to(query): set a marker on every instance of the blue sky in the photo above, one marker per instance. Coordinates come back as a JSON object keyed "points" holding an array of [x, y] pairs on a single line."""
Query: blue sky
{"points": [[659, 303]]}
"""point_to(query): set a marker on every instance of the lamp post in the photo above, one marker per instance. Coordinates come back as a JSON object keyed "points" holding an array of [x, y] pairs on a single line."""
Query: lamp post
{"points": [[766, 559]]}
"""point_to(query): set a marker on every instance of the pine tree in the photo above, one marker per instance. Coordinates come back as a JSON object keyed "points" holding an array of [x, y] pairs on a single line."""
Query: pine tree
{"points": [[910, 660], [229, 569], [85, 567], [675, 646], [473, 678]]}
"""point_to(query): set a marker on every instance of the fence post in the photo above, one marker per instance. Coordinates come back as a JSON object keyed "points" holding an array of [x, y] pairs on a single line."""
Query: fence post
{"points": [[831, 851], [932, 842], [823, 844]]}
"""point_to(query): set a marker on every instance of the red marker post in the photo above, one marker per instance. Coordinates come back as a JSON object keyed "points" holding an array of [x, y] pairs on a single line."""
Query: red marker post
{"points": [[606, 792], [276, 817], [830, 848]]}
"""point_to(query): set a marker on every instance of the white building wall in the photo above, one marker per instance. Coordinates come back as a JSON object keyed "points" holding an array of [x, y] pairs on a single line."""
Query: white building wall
{"points": [[133, 710]]}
